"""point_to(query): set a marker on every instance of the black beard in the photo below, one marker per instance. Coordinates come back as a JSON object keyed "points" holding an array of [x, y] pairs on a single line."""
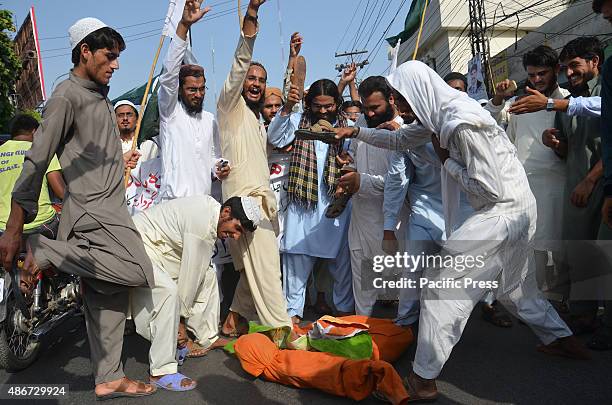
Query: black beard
{"points": [[579, 90], [376, 120], [255, 106], [191, 108], [125, 131]]}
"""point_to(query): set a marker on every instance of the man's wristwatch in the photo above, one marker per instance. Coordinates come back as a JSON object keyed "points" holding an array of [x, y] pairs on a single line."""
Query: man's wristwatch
{"points": [[250, 17], [550, 104]]}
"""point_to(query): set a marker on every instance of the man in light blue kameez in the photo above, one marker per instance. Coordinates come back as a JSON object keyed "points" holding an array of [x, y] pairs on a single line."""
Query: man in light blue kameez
{"points": [[313, 175], [416, 174]]}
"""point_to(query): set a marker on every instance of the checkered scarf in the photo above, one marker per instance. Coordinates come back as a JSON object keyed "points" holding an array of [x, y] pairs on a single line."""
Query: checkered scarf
{"points": [[303, 184]]}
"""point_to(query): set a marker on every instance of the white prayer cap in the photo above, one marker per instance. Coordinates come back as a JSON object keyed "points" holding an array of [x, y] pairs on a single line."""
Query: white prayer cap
{"points": [[125, 102], [82, 28], [252, 210]]}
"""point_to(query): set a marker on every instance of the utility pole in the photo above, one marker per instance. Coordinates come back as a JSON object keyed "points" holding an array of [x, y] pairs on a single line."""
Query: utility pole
{"points": [[479, 42], [340, 67]]}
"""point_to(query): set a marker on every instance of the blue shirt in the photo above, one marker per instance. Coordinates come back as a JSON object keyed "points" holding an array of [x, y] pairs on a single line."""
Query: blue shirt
{"points": [[417, 174], [309, 232], [584, 106]]}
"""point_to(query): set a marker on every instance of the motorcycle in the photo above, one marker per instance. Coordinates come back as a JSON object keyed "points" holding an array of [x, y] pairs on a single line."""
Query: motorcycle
{"points": [[26, 318]]}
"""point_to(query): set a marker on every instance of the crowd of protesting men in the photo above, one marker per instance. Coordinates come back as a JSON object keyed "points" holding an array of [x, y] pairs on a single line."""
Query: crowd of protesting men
{"points": [[415, 166]]}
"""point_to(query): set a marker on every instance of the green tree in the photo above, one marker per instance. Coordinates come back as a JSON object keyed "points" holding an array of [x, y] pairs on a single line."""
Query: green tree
{"points": [[9, 67]]}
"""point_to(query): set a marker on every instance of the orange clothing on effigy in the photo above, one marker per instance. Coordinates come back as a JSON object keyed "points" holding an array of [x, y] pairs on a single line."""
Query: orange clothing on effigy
{"points": [[355, 379]]}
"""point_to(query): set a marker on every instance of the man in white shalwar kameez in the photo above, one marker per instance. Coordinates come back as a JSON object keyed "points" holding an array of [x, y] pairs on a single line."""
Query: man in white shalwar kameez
{"points": [[544, 168], [478, 157], [179, 238]]}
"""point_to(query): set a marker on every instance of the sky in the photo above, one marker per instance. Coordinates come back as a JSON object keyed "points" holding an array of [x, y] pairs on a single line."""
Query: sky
{"points": [[328, 26]]}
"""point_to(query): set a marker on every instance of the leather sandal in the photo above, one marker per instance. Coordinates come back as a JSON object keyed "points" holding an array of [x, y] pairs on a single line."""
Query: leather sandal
{"points": [[120, 392]]}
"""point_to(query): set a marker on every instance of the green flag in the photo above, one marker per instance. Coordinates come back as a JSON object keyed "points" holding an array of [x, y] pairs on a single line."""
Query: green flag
{"points": [[412, 23]]}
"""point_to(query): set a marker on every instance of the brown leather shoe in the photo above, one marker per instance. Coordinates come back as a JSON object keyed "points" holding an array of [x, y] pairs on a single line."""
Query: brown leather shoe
{"points": [[569, 347], [420, 389], [299, 74]]}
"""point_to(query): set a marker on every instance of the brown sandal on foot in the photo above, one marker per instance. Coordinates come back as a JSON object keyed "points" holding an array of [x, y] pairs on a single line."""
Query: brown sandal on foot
{"points": [[121, 390]]}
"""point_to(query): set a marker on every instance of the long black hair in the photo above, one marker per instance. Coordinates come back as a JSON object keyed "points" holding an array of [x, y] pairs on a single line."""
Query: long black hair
{"points": [[323, 87]]}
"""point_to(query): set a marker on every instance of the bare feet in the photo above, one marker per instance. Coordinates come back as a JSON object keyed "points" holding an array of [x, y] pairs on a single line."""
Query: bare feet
{"points": [[126, 386], [196, 350], [235, 325]]}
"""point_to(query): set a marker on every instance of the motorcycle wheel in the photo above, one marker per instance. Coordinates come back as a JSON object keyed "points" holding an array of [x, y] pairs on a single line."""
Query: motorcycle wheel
{"points": [[18, 350]]}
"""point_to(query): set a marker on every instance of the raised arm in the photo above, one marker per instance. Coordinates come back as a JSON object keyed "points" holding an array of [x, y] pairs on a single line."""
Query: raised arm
{"points": [[348, 78], [168, 92], [232, 89], [295, 45]]}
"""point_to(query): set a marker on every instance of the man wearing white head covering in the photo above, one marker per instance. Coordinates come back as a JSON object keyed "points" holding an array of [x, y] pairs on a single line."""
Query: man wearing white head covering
{"points": [[97, 239], [179, 237], [478, 157]]}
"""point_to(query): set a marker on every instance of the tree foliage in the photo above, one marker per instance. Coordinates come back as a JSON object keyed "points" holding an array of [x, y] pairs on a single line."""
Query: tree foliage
{"points": [[9, 68]]}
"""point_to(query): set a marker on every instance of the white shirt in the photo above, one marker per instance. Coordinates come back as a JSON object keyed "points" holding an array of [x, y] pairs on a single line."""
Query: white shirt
{"points": [[545, 170], [366, 226], [189, 143]]}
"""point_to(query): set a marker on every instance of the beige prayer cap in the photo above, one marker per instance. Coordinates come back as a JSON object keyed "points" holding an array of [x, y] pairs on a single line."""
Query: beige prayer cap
{"points": [[82, 28]]}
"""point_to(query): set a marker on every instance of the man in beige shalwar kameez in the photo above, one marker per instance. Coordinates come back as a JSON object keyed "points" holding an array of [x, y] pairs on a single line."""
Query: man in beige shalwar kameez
{"points": [[243, 142]]}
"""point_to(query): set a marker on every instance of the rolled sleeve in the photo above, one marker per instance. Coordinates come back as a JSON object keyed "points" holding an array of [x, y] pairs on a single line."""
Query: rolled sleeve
{"points": [[584, 106]]}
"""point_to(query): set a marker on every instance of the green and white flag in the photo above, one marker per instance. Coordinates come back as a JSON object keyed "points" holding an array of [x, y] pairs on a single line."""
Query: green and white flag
{"points": [[411, 25]]}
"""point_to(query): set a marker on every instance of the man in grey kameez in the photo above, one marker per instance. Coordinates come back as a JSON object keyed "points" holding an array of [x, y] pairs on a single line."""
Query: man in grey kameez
{"points": [[97, 239], [578, 140]]}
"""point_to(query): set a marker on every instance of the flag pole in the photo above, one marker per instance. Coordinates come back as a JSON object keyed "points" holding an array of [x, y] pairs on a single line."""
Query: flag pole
{"points": [[143, 105], [416, 48]]}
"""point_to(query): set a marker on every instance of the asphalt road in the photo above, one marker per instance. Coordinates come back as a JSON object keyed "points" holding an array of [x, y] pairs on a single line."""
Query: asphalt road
{"points": [[490, 365]]}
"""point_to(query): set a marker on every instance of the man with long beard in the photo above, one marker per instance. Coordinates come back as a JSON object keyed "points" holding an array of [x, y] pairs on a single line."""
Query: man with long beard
{"points": [[243, 142], [313, 176], [368, 184], [189, 136]]}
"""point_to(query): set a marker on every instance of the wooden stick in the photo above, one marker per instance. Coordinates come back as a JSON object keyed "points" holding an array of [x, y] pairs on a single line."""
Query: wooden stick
{"points": [[416, 48], [143, 105]]}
